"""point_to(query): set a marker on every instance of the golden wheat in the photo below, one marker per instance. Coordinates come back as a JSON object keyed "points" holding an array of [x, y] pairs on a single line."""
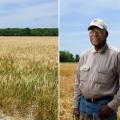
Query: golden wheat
{"points": [[29, 76]]}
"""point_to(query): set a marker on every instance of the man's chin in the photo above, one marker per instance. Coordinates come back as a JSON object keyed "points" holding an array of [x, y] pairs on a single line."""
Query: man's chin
{"points": [[95, 44], [98, 46]]}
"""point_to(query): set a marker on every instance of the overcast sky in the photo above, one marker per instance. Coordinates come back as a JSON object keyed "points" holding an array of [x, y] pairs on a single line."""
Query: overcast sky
{"points": [[75, 17], [28, 13]]}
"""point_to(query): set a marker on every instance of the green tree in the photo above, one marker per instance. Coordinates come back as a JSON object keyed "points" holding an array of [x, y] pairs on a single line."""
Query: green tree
{"points": [[77, 58], [29, 32], [66, 56]]}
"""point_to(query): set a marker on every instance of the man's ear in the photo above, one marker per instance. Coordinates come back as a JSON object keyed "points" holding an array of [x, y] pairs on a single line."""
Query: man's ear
{"points": [[106, 34]]}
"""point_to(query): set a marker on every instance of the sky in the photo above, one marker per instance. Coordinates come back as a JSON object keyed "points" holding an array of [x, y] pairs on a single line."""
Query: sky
{"points": [[28, 13], [75, 17]]}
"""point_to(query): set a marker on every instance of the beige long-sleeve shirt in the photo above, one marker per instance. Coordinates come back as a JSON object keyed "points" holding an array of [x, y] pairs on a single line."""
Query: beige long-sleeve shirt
{"points": [[98, 75]]}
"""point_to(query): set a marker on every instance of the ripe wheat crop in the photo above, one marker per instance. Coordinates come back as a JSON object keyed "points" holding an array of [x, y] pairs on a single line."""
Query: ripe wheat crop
{"points": [[29, 77]]}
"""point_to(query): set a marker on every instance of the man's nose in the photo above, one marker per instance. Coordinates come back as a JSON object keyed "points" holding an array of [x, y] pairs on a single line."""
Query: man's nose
{"points": [[95, 33]]}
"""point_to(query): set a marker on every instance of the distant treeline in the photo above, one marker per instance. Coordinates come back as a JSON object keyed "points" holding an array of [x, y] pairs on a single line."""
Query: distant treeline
{"points": [[29, 32], [66, 56]]}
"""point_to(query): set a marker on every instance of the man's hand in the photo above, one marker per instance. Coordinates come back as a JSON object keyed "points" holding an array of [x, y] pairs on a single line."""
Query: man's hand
{"points": [[76, 113], [106, 111]]}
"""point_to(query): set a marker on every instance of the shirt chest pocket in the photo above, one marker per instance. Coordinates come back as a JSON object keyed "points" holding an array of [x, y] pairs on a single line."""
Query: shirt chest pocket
{"points": [[104, 75], [84, 71]]}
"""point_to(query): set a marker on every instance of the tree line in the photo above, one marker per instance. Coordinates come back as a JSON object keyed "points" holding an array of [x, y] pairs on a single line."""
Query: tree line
{"points": [[66, 56], [28, 32]]}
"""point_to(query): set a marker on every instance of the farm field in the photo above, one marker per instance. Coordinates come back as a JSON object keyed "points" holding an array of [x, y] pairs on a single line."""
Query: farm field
{"points": [[29, 78], [67, 77]]}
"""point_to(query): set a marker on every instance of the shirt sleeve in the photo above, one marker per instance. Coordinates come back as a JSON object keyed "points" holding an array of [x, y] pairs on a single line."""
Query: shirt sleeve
{"points": [[115, 103], [77, 92]]}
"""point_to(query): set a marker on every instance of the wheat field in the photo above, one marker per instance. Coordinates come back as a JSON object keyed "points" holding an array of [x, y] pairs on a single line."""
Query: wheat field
{"points": [[29, 78], [67, 77]]}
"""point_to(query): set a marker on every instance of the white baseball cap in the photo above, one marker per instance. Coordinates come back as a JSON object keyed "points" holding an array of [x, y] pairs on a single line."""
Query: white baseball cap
{"points": [[98, 23]]}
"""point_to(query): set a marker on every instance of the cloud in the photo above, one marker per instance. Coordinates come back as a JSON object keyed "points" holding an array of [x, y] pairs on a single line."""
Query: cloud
{"points": [[114, 33], [25, 12], [87, 7]]}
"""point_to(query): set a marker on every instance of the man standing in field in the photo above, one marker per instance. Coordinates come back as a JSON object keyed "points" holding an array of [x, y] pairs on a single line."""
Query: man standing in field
{"points": [[97, 85]]}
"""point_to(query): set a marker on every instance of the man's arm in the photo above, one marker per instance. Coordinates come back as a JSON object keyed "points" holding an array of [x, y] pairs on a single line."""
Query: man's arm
{"points": [[115, 103], [108, 109], [77, 92]]}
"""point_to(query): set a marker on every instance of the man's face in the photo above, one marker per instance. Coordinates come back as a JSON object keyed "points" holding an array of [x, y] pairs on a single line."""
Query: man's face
{"points": [[97, 36]]}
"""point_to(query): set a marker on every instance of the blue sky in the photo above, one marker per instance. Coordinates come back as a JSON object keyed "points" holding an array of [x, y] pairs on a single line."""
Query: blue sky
{"points": [[28, 13], [75, 16]]}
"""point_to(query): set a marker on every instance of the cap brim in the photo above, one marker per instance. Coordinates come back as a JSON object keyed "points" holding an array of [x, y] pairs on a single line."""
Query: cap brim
{"points": [[91, 26]]}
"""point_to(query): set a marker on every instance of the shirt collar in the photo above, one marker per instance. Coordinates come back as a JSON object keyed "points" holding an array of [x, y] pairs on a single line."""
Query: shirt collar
{"points": [[103, 49]]}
